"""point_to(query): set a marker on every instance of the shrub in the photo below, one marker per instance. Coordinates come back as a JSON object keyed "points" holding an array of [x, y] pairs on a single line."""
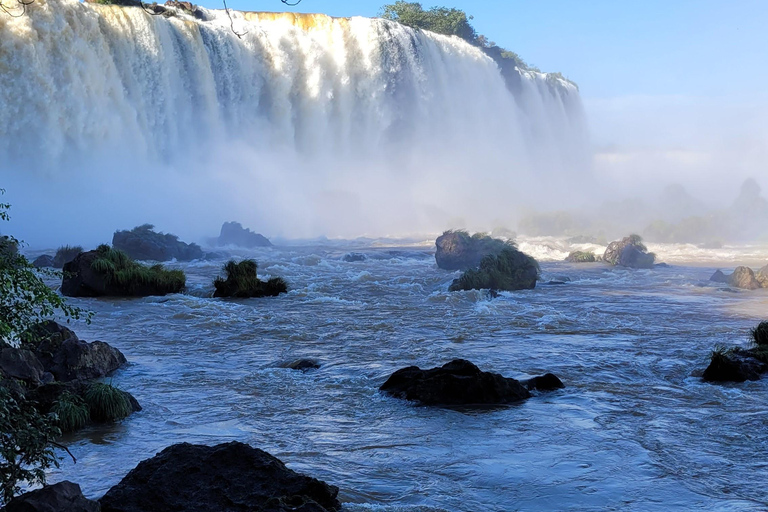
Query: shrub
{"points": [[509, 270], [71, 412], [242, 282], [581, 257], [121, 271], [107, 403], [760, 334], [65, 254]]}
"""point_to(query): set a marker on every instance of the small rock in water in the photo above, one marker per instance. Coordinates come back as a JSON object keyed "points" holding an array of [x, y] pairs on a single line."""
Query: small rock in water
{"points": [[546, 382], [735, 365], [44, 261], [353, 257], [719, 277], [303, 365]]}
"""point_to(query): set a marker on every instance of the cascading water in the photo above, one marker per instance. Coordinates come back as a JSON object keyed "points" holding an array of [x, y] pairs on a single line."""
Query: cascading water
{"points": [[305, 124]]}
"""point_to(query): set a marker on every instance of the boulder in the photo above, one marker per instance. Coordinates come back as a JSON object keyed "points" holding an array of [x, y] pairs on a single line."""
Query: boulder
{"points": [[242, 282], [762, 277], [61, 497], [143, 243], [353, 257], [233, 233], [230, 477], [581, 257], [44, 261], [629, 252], [743, 277], [21, 364], [735, 365], [457, 250], [719, 277], [508, 271], [74, 359], [546, 382], [457, 383]]}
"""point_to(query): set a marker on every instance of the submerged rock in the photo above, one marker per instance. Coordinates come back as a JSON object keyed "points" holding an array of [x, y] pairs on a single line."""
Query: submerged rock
{"points": [[43, 261], [353, 257], [303, 365], [629, 252], [459, 383], [457, 250], [233, 233], [230, 477], [143, 243], [509, 270], [61, 497], [546, 382], [735, 365]]}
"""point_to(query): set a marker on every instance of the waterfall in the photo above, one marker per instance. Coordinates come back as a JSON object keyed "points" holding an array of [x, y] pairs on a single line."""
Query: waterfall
{"points": [[303, 124]]}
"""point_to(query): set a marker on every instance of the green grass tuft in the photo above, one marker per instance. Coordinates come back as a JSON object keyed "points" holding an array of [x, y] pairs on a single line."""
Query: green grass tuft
{"points": [[509, 270], [71, 412], [581, 257], [760, 334], [243, 282], [120, 270], [65, 254], [106, 403]]}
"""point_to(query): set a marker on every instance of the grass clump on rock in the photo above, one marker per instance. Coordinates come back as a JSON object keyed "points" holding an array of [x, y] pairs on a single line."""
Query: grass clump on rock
{"points": [[581, 257], [760, 335], [509, 270], [242, 282], [124, 273], [71, 412], [107, 403], [65, 254]]}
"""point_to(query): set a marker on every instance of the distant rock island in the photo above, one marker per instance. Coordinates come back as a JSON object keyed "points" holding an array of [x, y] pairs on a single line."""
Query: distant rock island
{"points": [[233, 233]]}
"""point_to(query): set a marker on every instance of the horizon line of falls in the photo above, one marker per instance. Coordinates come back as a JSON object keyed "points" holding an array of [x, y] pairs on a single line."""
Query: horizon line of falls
{"points": [[305, 125]]}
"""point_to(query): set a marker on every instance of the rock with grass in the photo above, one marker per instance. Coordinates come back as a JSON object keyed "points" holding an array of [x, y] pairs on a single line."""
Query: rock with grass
{"points": [[242, 282], [65, 254], [144, 243], [21, 364], [303, 365], [108, 272], [581, 257], [508, 270], [60, 497], [738, 364], [629, 252], [230, 477], [459, 383], [233, 233], [457, 250], [43, 261]]}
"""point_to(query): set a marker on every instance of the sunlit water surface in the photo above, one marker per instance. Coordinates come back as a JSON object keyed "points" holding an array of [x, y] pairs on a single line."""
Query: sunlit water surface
{"points": [[635, 428]]}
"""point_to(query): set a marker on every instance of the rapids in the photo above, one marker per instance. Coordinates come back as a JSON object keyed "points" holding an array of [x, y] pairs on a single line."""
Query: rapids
{"points": [[635, 428]]}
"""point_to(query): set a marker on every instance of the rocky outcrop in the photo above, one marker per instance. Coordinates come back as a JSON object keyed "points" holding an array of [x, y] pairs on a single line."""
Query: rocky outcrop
{"points": [[21, 364], [508, 271], [242, 282], [231, 477], [43, 261], [233, 233], [762, 277], [735, 365], [460, 383], [457, 250], [61, 497], [143, 243], [743, 277], [629, 252], [581, 257], [719, 277]]}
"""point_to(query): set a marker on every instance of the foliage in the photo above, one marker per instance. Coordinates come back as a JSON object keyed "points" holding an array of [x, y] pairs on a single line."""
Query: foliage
{"points": [[25, 444], [243, 282], [120, 270], [581, 257], [508, 270], [65, 254], [760, 334], [71, 412], [25, 299], [107, 403], [451, 22]]}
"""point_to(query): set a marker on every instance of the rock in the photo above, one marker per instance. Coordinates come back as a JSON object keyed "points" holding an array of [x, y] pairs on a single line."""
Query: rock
{"points": [[61, 497], [456, 383], [303, 365], [44, 261], [457, 250], [581, 257], [546, 382], [743, 277], [75, 359], [49, 331], [143, 243], [735, 365], [212, 256], [230, 477], [762, 277], [233, 233], [82, 280], [719, 277], [354, 256], [629, 252], [66, 254], [17, 363], [508, 271], [242, 282]]}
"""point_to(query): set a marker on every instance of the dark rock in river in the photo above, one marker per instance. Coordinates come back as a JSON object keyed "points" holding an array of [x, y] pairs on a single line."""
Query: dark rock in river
{"points": [[546, 382], [61, 497], [629, 252], [74, 359], [719, 277], [21, 364], [44, 261], [353, 257], [242, 282], [508, 271], [231, 477], [457, 383], [457, 250], [233, 233], [743, 277], [735, 365], [303, 365], [143, 243]]}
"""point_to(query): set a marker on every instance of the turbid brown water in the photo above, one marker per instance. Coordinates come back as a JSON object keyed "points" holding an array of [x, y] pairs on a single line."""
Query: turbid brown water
{"points": [[635, 428]]}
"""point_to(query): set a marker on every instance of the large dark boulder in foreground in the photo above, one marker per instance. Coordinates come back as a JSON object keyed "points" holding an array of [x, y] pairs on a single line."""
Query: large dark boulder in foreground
{"points": [[61, 497], [735, 365], [242, 282], [143, 243], [107, 272], [457, 250], [509, 270], [458, 383], [233, 233], [629, 252], [230, 477]]}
